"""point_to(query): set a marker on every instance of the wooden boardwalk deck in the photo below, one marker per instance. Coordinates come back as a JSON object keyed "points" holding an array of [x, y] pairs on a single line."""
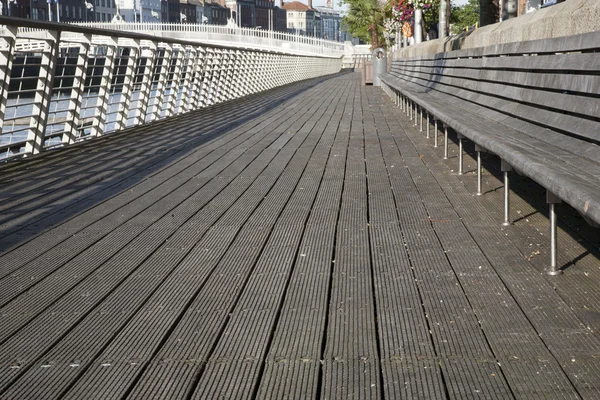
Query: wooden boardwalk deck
{"points": [[307, 242]]}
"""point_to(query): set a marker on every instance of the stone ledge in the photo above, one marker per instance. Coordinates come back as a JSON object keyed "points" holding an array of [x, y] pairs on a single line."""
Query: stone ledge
{"points": [[571, 17]]}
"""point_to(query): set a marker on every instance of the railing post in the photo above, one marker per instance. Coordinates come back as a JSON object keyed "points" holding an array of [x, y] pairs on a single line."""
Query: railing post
{"points": [[104, 89], [204, 82], [173, 63], [146, 86], [128, 80], [188, 69], [236, 73], [74, 112], [208, 88], [197, 81], [255, 74], [228, 85], [7, 51], [161, 87], [39, 118], [220, 78]]}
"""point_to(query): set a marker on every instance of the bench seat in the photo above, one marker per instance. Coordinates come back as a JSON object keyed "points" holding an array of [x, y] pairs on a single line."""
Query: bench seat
{"points": [[536, 105]]}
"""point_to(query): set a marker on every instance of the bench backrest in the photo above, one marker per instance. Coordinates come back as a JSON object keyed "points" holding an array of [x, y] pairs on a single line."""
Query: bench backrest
{"points": [[551, 88]]}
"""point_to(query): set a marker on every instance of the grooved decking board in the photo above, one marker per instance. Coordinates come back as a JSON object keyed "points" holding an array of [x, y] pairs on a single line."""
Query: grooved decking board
{"points": [[495, 318], [307, 242]]}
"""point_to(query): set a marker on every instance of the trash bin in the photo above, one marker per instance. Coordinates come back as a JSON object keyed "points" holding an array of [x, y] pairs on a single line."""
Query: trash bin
{"points": [[379, 59]]}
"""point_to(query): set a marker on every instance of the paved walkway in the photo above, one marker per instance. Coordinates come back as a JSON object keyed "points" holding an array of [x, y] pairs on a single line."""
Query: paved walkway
{"points": [[305, 242]]}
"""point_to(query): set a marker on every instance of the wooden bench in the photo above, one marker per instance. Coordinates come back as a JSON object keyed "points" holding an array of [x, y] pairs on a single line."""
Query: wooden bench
{"points": [[536, 105]]}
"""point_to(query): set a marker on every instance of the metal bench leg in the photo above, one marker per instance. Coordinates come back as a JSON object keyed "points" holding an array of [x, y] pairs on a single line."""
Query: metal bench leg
{"points": [[416, 114], [428, 126], [421, 118], [445, 142], [506, 168], [552, 200], [460, 153], [479, 166], [435, 134]]}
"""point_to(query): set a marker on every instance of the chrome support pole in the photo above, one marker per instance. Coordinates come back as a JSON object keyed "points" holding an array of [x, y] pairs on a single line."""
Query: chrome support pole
{"points": [[428, 126], [460, 154], [421, 118], [445, 142], [506, 168], [552, 200], [506, 200], [415, 114], [479, 177], [435, 134]]}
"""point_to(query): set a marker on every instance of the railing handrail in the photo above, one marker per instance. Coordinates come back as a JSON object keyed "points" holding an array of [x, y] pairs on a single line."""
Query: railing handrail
{"points": [[235, 34], [27, 25]]}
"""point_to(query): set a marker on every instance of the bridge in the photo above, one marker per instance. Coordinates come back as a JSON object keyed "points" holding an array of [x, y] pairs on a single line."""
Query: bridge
{"points": [[190, 220]]}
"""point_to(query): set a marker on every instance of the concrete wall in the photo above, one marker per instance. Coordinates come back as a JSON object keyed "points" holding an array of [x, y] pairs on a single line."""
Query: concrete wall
{"points": [[568, 18]]}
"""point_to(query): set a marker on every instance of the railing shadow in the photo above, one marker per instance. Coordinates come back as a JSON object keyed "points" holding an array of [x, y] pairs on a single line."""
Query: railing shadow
{"points": [[57, 212]]}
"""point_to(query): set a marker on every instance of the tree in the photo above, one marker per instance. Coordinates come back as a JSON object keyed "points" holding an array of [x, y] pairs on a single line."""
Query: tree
{"points": [[464, 16], [365, 20], [431, 15]]}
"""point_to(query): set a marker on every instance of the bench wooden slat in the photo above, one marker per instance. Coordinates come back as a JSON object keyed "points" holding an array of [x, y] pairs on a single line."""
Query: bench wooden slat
{"points": [[543, 79], [588, 159], [484, 93], [583, 62], [585, 149], [570, 178]]}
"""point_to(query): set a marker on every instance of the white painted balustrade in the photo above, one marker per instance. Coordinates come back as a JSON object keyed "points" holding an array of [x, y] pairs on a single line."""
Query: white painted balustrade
{"points": [[61, 84], [230, 36]]}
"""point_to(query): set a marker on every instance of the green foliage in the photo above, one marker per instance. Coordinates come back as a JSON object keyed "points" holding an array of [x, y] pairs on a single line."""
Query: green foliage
{"points": [[464, 16], [365, 20], [361, 15], [431, 15]]}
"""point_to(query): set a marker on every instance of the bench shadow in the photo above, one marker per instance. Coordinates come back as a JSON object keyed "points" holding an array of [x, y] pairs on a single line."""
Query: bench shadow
{"points": [[569, 220]]}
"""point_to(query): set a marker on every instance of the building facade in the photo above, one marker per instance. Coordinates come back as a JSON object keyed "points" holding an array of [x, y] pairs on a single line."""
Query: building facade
{"points": [[280, 22], [265, 16], [330, 23], [300, 18], [189, 11], [170, 11]]}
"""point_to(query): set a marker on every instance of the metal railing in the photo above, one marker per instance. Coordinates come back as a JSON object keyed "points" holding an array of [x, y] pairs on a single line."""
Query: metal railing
{"points": [[224, 35], [61, 84]]}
